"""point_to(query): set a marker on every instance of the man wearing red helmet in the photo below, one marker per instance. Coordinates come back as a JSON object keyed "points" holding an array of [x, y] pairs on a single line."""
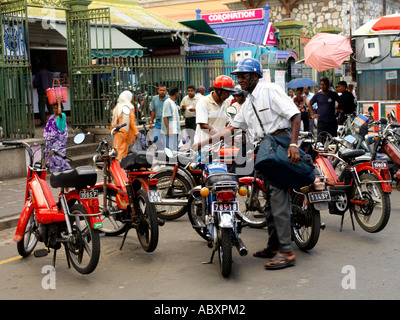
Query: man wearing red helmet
{"points": [[268, 110], [211, 113]]}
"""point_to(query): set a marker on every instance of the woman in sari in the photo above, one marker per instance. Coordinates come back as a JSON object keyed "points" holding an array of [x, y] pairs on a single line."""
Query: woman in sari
{"points": [[56, 135], [129, 133]]}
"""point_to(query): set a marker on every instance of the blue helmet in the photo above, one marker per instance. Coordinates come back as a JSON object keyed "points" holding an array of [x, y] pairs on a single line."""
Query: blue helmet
{"points": [[249, 65]]}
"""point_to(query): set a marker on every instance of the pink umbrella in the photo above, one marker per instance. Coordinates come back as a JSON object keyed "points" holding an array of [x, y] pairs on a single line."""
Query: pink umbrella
{"points": [[326, 51]]}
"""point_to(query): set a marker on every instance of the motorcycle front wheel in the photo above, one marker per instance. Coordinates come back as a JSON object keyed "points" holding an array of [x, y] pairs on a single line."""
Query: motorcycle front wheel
{"points": [[305, 222], [180, 186], [374, 215], [147, 228], [83, 248], [29, 241], [225, 251]]}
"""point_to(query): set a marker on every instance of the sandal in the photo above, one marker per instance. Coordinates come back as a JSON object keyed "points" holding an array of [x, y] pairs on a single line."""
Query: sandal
{"points": [[281, 260], [265, 253]]}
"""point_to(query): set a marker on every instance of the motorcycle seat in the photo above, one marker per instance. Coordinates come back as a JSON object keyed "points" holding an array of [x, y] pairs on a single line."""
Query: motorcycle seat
{"points": [[220, 177], [347, 154], [78, 178], [136, 160]]}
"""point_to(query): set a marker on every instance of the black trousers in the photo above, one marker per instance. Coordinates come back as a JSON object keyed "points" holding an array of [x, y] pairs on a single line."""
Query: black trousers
{"points": [[330, 127]]}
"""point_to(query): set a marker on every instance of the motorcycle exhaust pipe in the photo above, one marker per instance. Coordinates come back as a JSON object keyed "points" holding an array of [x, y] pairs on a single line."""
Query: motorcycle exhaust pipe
{"points": [[241, 247]]}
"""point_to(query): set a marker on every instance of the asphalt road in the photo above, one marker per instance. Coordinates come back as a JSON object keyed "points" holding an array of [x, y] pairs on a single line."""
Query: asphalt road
{"points": [[343, 265]]}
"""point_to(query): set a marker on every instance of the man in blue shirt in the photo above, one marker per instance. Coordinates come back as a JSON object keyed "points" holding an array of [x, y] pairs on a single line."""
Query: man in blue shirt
{"points": [[326, 112], [156, 108]]}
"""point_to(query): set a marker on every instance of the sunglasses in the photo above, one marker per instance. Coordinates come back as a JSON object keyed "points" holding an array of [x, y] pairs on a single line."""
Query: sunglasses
{"points": [[243, 75]]}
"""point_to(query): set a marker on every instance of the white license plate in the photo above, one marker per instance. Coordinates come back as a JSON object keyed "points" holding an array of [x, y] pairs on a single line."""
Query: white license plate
{"points": [[381, 164], [88, 194], [319, 196], [225, 206], [154, 196]]}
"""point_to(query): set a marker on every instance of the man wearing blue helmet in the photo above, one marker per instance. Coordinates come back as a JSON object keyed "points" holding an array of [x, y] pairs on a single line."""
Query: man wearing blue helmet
{"points": [[268, 110]]}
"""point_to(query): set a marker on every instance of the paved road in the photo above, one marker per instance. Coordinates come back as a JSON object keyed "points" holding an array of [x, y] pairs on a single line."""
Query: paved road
{"points": [[175, 270]]}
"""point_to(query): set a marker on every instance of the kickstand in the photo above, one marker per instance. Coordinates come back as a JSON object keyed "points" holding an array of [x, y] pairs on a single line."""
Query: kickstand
{"points": [[341, 223], [352, 221], [123, 240], [67, 255], [211, 259], [54, 258]]}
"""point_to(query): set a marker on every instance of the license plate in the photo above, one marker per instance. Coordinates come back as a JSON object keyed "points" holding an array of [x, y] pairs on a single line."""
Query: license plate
{"points": [[225, 206], [88, 194], [382, 164], [154, 196], [319, 196]]}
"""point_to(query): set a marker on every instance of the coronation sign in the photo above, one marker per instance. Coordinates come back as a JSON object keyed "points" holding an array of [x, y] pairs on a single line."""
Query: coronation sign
{"points": [[234, 16]]}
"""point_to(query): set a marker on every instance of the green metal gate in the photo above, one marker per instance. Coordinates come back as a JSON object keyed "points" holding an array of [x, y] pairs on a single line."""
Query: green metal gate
{"points": [[92, 84], [17, 115]]}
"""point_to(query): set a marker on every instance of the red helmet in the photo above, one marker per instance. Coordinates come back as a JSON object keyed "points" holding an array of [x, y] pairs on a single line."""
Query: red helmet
{"points": [[225, 83]]}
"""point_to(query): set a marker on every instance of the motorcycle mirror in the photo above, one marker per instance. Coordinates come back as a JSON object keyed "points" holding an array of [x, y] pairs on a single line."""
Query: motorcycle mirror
{"points": [[169, 153], [370, 110], [383, 121], [79, 138], [126, 110], [393, 114], [231, 111]]}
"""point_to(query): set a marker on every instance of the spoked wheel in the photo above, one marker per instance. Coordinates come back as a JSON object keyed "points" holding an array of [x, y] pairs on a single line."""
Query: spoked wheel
{"points": [[374, 214], [225, 251], [147, 228], [305, 221], [254, 213], [29, 241], [83, 248], [111, 214], [180, 186], [195, 214]]}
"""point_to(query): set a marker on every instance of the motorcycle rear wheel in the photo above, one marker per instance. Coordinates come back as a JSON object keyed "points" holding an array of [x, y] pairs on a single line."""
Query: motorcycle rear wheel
{"points": [[225, 251], [83, 248], [255, 216], [375, 215], [147, 229], [305, 222], [29, 241]]}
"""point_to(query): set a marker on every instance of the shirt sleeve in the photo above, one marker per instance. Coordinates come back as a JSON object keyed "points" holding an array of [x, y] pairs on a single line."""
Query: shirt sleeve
{"points": [[313, 99], [286, 106], [239, 120], [167, 109], [201, 112]]}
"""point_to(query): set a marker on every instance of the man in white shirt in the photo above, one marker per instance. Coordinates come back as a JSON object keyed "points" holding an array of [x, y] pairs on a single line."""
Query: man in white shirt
{"points": [[211, 113], [170, 125], [268, 103]]}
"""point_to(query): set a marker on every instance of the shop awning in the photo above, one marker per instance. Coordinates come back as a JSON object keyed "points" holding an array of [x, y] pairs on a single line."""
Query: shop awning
{"points": [[205, 34], [122, 46]]}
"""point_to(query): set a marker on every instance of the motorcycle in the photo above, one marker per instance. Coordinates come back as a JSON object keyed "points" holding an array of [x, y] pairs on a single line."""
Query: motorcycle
{"points": [[213, 209], [73, 220], [361, 188], [124, 194]]}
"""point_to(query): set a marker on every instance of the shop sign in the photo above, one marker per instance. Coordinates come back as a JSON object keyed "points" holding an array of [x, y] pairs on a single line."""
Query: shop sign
{"points": [[233, 16], [13, 41], [269, 38], [395, 50], [168, 51]]}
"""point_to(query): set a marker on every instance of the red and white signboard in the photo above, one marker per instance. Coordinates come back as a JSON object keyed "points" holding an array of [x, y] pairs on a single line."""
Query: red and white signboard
{"points": [[270, 38], [233, 16]]}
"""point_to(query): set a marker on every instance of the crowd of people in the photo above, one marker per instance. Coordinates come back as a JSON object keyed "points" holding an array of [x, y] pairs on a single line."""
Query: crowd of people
{"points": [[261, 109]]}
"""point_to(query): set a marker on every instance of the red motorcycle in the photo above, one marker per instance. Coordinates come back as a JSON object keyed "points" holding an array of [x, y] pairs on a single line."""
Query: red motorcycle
{"points": [[73, 220], [124, 194]]}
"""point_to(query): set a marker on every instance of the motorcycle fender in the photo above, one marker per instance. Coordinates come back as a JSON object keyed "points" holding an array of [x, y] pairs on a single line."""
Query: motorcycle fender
{"points": [[225, 220], [182, 172], [249, 181], [380, 174], [91, 206], [321, 206], [26, 213]]}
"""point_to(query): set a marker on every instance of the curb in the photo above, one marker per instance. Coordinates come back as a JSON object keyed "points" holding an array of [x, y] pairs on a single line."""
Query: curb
{"points": [[9, 222]]}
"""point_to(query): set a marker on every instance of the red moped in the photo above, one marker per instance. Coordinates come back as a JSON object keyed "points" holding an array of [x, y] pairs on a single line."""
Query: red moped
{"points": [[73, 220]]}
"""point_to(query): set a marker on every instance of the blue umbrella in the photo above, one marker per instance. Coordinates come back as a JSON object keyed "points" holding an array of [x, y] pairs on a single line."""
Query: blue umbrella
{"points": [[301, 82]]}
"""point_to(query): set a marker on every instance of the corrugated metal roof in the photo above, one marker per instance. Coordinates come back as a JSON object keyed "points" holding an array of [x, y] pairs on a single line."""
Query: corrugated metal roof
{"points": [[123, 14]]}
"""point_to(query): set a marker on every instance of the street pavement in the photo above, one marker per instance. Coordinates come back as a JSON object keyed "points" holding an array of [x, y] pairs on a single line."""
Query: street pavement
{"points": [[351, 264]]}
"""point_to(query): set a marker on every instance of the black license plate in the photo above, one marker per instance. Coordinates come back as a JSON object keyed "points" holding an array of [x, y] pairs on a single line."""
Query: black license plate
{"points": [[319, 196], [88, 194], [382, 164], [225, 206]]}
